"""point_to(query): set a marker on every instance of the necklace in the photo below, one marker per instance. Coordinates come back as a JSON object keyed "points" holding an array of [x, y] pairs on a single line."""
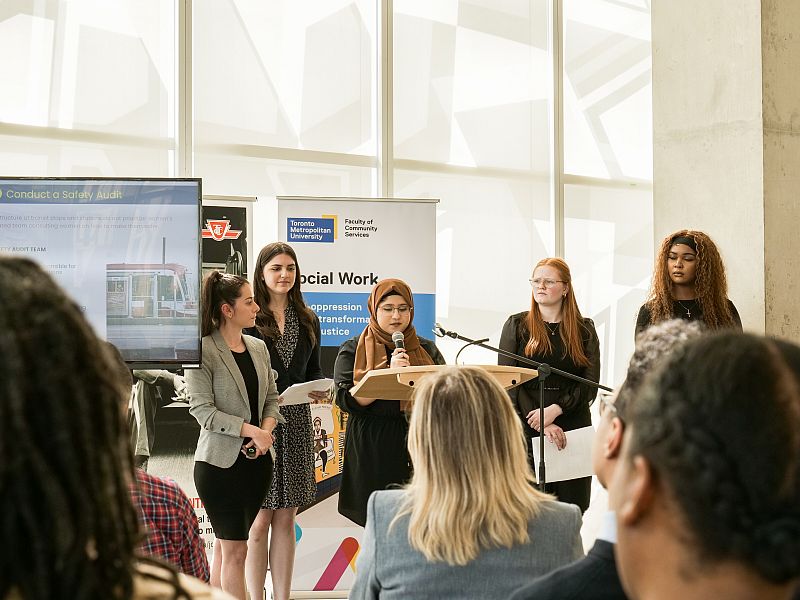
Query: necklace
{"points": [[238, 346], [686, 308], [553, 330]]}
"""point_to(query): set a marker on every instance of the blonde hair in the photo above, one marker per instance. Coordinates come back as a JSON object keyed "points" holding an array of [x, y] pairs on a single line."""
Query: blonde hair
{"points": [[472, 485]]}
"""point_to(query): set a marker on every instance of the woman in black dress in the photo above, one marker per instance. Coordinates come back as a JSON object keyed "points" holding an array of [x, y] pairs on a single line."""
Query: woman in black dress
{"points": [[234, 398], [292, 333], [375, 454], [689, 283], [554, 332]]}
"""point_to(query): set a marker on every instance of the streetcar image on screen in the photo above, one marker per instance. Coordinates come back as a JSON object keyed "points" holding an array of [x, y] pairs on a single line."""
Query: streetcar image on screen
{"points": [[152, 311]]}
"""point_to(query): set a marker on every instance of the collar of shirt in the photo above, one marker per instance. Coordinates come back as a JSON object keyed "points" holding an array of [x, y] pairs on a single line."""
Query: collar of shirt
{"points": [[608, 527]]}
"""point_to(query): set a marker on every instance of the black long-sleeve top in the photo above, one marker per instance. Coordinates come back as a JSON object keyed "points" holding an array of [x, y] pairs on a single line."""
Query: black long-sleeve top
{"points": [[688, 310], [574, 398]]}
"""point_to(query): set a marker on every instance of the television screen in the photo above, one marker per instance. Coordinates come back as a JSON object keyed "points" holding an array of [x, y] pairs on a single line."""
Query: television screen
{"points": [[127, 250]]}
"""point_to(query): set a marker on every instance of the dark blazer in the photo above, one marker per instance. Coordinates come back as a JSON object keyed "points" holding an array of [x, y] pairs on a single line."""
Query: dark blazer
{"points": [[218, 398], [305, 365], [593, 577]]}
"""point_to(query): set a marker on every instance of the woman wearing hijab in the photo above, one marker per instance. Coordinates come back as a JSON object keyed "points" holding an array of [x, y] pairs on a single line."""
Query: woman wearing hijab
{"points": [[375, 446]]}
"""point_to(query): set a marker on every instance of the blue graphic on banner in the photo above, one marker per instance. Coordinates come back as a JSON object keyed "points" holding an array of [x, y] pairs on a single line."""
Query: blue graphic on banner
{"points": [[309, 229], [343, 315]]}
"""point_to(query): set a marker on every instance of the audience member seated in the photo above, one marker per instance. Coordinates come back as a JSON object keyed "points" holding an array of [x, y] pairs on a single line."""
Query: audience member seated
{"points": [[68, 521], [469, 524], [170, 524], [595, 577], [707, 490], [165, 513]]}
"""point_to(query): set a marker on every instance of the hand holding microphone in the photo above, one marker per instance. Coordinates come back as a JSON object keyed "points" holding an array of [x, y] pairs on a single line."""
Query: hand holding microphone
{"points": [[399, 356], [259, 444]]}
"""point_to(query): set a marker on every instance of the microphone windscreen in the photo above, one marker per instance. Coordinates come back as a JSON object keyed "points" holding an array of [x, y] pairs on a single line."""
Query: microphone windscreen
{"points": [[398, 339]]}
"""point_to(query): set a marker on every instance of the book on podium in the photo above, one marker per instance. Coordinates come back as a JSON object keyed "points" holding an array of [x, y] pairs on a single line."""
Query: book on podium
{"points": [[398, 384]]}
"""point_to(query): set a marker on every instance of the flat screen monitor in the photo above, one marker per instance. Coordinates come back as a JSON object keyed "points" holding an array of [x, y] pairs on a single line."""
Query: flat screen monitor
{"points": [[127, 250]]}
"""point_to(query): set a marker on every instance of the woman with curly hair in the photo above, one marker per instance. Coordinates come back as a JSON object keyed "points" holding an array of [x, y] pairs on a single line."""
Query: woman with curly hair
{"points": [[700, 512], [689, 283], [69, 523]]}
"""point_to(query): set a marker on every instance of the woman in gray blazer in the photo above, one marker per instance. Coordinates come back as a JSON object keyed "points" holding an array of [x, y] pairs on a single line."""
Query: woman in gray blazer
{"points": [[469, 524], [234, 398]]}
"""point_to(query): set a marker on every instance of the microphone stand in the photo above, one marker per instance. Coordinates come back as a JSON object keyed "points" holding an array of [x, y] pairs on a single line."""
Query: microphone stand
{"points": [[544, 371], [465, 346]]}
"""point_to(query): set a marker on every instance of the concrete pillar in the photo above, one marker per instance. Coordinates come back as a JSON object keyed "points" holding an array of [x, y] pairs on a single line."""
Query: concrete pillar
{"points": [[780, 51], [726, 118]]}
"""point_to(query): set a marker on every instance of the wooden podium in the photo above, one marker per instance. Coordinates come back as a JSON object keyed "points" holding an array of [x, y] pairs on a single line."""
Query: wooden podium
{"points": [[398, 384]]}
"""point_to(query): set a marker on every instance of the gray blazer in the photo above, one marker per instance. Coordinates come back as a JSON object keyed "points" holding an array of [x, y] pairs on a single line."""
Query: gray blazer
{"points": [[218, 398], [388, 567]]}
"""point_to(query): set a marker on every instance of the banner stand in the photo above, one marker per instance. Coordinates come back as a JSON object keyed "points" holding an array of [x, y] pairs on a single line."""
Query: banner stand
{"points": [[344, 247]]}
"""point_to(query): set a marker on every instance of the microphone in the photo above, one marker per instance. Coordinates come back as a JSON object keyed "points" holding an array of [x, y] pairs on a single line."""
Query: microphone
{"points": [[398, 339]]}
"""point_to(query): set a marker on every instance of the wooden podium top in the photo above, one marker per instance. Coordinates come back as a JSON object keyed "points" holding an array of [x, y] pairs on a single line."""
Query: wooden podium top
{"points": [[398, 384]]}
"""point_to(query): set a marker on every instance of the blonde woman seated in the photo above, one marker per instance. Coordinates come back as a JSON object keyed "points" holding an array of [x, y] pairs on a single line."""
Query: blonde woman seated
{"points": [[469, 524]]}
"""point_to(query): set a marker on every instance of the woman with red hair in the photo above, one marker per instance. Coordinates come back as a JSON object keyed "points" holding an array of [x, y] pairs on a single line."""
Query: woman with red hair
{"points": [[554, 332]]}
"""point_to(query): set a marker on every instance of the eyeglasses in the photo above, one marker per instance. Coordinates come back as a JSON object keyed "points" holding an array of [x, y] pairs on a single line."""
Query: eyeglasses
{"points": [[607, 405], [548, 283], [388, 309]]}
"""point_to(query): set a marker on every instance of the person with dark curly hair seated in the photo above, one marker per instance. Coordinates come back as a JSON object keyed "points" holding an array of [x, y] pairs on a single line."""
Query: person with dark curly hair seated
{"points": [[595, 577], [707, 492], [68, 520]]}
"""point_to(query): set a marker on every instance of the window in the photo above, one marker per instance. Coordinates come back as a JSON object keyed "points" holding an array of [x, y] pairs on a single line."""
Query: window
{"points": [[286, 98]]}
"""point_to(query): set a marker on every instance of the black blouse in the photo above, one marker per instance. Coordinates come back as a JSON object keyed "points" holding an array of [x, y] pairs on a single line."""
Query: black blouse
{"points": [[688, 310], [574, 398], [248, 370], [343, 380]]}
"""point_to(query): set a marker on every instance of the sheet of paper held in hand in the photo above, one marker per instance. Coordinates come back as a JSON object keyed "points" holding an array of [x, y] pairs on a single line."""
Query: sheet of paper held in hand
{"points": [[298, 393], [574, 461]]}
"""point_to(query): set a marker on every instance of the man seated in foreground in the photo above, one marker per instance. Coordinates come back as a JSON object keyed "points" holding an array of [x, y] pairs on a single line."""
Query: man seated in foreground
{"points": [[707, 489], [595, 576]]}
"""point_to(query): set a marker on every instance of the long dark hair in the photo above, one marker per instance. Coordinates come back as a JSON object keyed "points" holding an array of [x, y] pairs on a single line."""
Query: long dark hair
{"points": [[66, 513], [218, 289], [265, 321], [740, 501]]}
